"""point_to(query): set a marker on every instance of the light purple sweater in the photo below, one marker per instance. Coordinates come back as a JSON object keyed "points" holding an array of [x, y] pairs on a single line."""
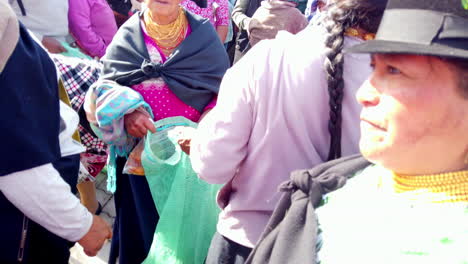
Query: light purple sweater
{"points": [[93, 25], [271, 118]]}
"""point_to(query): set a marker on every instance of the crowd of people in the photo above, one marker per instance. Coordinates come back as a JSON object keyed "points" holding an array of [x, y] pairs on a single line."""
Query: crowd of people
{"points": [[335, 130]]}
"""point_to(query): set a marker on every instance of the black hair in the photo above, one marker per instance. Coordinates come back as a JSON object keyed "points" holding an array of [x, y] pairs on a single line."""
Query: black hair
{"points": [[363, 14], [461, 71]]}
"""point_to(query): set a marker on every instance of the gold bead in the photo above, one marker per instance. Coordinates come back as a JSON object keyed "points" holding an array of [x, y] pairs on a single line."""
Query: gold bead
{"points": [[445, 187], [169, 36]]}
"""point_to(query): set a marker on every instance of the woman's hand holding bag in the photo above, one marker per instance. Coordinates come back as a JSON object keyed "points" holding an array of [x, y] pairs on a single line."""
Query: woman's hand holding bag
{"points": [[138, 123]]}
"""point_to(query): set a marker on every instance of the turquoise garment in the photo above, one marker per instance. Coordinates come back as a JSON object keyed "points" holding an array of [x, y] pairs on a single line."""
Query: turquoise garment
{"points": [[74, 52], [108, 103], [366, 222], [230, 33], [301, 5], [186, 205]]}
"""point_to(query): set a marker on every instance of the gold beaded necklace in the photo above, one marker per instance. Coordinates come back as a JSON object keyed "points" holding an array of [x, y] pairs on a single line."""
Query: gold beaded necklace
{"points": [[438, 188], [169, 36]]}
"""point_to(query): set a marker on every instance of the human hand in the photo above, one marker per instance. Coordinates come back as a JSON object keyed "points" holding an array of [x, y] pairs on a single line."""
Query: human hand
{"points": [[53, 45], [184, 144], [187, 134], [185, 138], [93, 241], [137, 124], [253, 23]]}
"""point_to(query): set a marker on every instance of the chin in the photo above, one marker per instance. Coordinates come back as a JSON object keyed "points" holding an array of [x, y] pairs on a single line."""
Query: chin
{"points": [[385, 157], [373, 151], [163, 11]]}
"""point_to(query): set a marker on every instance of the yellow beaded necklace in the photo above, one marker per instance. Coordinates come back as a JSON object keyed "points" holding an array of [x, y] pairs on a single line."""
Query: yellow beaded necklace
{"points": [[437, 188], [169, 36]]}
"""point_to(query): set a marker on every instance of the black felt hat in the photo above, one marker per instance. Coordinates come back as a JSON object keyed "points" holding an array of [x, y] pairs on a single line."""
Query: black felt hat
{"points": [[425, 27]]}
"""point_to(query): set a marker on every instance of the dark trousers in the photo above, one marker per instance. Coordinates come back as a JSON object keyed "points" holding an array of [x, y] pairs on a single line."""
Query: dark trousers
{"points": [[46, 247], [135, 221], [225, 251]]}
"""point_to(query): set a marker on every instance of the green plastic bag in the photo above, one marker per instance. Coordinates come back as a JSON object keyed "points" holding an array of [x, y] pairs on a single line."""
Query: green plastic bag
{"points": [[186, 205], [74, 52]]}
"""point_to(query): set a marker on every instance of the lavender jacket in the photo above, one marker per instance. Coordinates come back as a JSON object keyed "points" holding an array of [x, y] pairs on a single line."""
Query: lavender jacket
{"points": [[272, 118], [93, 25]]}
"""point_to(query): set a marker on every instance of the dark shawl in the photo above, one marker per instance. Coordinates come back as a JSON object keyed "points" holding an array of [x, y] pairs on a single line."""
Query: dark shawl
{"points": [[291, 234], [193, 71]]}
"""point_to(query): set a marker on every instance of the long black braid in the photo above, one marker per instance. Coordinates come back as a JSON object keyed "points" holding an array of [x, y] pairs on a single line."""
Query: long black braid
{"points": [[365, 14]]}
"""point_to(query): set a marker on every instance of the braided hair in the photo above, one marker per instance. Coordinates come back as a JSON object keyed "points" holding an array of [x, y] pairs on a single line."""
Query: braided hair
{"points": [[365, 14]]}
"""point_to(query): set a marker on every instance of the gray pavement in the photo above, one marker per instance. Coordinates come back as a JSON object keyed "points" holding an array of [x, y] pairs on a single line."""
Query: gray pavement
{"points": [[108, 213]]}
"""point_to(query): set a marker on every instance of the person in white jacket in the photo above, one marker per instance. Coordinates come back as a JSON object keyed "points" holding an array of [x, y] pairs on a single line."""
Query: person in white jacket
{"points": [[36, 204]]}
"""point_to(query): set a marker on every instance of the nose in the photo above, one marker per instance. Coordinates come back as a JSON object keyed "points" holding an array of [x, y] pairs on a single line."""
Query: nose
{"points": [[367, 94]]}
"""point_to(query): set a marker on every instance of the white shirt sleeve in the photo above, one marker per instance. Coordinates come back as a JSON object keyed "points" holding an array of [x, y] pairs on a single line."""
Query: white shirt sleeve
{"points": [[44, 197]]}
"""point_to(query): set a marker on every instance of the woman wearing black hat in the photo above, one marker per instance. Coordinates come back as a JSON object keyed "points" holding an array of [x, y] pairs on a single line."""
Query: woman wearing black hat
{"points": [[410, 204]]}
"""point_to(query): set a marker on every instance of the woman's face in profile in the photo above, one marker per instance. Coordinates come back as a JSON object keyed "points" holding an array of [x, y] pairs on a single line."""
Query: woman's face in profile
{"points": [[163, 7], [414, 119]]}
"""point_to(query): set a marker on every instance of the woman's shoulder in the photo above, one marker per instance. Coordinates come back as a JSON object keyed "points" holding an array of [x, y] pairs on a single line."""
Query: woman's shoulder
{"points": [[131, 24], [360, 181], [129, 31], [309, 41], [297, 53], [189, 5], [196, 21], [77, 10]]}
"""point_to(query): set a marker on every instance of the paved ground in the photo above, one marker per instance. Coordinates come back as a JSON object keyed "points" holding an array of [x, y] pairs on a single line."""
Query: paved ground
{"points": [[108, 213]]}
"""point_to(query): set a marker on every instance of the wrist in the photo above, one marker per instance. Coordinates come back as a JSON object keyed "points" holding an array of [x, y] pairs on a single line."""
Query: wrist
{"points": [[87, 222]]}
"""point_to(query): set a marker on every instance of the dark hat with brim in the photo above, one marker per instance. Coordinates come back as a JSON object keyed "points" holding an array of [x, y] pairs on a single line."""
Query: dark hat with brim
{"points": [[423, 27]]}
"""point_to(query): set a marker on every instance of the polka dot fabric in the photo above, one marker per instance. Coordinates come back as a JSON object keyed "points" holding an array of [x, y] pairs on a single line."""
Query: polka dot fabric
{"points": [[218, 17], [164, 102]]}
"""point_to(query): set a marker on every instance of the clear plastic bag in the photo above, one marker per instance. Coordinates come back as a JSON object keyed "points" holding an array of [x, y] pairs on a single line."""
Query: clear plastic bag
{"points": [[133, 165]]}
